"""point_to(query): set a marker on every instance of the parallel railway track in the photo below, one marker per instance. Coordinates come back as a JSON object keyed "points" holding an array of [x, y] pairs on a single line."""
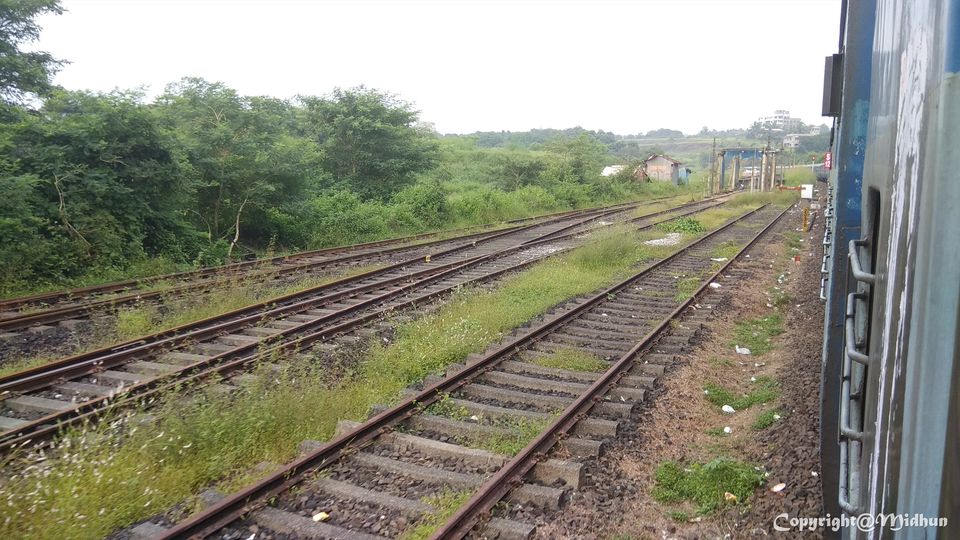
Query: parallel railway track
{"points": [[51, 308], [374, 478], [49, 298], [41, 401]]}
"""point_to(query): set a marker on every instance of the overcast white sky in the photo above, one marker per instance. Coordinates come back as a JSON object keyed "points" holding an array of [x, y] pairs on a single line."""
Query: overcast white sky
{"points": [[625, 67]]}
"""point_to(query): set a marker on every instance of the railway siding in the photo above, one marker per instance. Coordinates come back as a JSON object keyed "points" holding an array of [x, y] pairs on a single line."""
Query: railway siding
{"points": [[64, 319], [505, 446], [465, 421], [230, 342]]}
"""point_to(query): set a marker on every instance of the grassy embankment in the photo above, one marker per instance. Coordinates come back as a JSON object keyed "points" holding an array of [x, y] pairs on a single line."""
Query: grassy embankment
{"points": [[88, 489], [794, 176]]}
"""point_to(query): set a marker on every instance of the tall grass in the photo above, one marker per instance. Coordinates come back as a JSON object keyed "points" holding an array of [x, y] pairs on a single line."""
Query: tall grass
{"points": [[794, 176], [778, 198]]}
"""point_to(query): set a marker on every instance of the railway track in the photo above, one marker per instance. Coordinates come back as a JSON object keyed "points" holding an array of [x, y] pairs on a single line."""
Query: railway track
{"points": [[39, 402], [374, 479], [47, 299], [42, 310]]}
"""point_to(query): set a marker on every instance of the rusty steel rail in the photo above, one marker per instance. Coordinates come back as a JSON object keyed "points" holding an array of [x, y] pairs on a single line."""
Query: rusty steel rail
{"points": [[401, 243], [222, 364], [252, 497], [58, 314], [508, 477], [24, 380]]}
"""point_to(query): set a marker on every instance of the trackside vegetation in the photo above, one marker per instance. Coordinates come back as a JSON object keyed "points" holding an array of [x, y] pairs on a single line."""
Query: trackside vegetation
{"points": [[572, 360], [446, 504], [708, 486], [141, 319], [136, 471], [97, 187], [716, 476]]}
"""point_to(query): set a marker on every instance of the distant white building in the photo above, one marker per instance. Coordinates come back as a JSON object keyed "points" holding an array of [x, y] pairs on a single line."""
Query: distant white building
{"points": [[791, 141], [611, 170], [781, 120]]}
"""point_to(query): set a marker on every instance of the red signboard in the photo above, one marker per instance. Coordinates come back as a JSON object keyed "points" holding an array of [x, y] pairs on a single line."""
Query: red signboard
{"points": [[828, 161]]}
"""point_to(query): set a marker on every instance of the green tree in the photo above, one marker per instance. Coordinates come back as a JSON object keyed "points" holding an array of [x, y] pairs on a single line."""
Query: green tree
{"points": [[585, 155], [235, 153], [516, 169], [664, 133], [87, 181], [369, 140], [24, 73]]}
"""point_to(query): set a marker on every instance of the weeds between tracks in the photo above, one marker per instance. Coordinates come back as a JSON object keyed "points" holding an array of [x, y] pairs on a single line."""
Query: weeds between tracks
{"points": [[134, 321], [114, 474]]}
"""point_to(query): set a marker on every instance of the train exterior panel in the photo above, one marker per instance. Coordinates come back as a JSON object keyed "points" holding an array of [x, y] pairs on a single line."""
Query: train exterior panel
{"points": [[890, 406]]}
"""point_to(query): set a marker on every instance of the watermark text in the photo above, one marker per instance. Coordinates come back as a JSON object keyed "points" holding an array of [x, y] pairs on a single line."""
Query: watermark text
{"points": [[863, 522]]}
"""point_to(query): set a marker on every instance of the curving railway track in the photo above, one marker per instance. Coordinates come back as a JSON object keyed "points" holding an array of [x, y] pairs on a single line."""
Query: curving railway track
{"points": [[375, 479], [38, 402]]}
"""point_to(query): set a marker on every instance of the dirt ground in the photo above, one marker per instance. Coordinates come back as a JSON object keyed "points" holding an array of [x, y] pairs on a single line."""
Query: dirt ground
{"points": [[679, 424]]}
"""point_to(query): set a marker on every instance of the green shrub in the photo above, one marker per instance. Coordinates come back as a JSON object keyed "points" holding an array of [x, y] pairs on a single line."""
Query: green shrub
{"points": [[682, 225], [706, 484], [425, 200], [763, 390], [757, 334]]}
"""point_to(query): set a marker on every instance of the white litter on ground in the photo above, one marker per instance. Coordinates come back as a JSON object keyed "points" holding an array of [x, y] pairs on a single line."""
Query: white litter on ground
{"points": [[671, 239], [728, 409], [741, 350], [541, 251], [714, 285], [718, 259]]}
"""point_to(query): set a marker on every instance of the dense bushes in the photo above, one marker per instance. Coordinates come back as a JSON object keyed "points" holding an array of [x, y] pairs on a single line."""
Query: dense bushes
{"points": [[97, 186], [88, 181], [92, 184], [94, 187]]}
